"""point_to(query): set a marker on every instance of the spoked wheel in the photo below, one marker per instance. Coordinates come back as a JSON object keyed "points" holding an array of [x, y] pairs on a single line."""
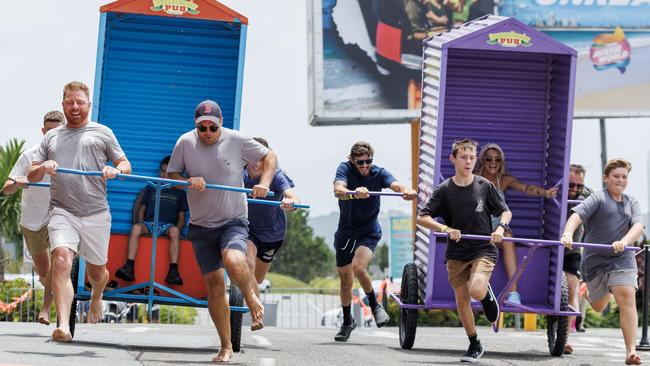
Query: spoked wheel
{"points": [[556, 328], [74, 276], [235, 298], [408, 318]]}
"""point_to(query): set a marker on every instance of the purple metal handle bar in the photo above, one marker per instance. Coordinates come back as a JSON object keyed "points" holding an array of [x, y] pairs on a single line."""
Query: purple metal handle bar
{"points": [[160, 180], [397, 194], [531, 242]]}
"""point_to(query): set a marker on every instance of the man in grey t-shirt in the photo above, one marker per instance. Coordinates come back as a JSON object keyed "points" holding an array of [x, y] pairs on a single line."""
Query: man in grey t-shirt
{"points": [[609, 216], [218, 219], [79, 217]]}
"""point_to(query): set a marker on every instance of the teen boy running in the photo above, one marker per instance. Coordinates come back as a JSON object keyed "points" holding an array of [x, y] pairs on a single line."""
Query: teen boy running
{"points": [[465, 202]]}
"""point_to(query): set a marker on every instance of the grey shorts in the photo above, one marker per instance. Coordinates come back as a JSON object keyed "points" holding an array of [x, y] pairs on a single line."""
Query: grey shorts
{"points": [[600, 285], [209, 243]]}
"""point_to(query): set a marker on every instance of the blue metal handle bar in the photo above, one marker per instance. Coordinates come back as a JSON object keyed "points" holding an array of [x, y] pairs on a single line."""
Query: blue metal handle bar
{"points": [[535, 241], [354, 193], [35, 184], [160, 180], [275, 203]]}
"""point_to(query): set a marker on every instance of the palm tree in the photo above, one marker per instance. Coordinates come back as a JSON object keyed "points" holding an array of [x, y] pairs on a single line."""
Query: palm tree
{"points": [[9, 205]]}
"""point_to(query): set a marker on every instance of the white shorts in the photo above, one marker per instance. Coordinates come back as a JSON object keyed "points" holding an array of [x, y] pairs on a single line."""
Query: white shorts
{"points": [[88, 236]]}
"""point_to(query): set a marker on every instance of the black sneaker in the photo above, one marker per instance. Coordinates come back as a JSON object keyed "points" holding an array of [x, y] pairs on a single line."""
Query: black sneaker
{"points": [[491, 308], [173, 277], [344, 332], [126, 273], [474, 352], [381, 316]]}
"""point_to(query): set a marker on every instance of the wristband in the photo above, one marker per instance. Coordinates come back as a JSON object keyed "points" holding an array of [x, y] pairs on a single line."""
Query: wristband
{"points": [[351, 196], [444, 228]]}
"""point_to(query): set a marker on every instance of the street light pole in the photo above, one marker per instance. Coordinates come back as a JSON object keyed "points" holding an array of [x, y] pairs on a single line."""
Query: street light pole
{"points": [[644, 345]]}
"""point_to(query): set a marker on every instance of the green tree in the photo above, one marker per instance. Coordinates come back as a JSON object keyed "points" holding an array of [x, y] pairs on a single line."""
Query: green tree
{"points": [[303, 255], [9, 205], [381, 257]]}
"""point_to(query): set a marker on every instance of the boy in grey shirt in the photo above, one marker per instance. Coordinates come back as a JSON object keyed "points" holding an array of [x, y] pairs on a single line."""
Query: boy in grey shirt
{"points": [[79, 217], [609, 216], [218, 221]]}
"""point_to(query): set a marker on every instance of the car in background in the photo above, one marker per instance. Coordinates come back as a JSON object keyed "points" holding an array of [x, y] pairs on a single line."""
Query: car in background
{"points": [[265, 286]]}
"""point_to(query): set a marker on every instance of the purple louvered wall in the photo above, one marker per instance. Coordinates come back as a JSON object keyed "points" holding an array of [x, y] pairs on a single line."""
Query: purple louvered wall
{"points": [[514, 97]]}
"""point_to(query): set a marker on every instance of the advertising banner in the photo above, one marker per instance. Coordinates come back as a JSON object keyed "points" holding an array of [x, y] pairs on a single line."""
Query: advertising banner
{"points": [[401, 244], [366, 60]]}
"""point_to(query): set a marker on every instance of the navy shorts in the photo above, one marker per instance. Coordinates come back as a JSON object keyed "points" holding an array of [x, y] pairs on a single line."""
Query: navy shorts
{"points": [[346, 247], [208, 243], [266, 251]]}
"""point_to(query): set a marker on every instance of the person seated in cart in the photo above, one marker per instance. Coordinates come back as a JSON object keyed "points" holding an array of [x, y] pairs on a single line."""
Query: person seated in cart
{"points": [[610, 216], [492, 166], [466, 203], [171, 219], [267, 224], [358, 230]]}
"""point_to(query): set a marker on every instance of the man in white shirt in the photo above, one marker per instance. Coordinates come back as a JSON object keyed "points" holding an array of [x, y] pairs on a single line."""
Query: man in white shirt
{"points": [[34, 206]]}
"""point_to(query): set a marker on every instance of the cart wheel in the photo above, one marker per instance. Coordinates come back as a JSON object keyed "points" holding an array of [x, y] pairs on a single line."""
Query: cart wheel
{"points": [[408, 318], [74, 275], [235, 299], [556, 330]]}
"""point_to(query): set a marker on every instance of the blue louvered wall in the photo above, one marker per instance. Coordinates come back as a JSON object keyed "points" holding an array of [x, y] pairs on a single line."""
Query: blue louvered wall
{"points": [[151, 73]]}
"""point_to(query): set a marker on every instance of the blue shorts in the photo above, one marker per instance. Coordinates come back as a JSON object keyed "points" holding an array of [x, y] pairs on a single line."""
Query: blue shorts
{"points": [[209, 243], [162, 227], [346, 247]]}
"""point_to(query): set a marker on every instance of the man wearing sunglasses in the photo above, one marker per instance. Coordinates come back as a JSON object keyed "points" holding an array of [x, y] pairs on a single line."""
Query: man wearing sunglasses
{"points": [[218, 219], [572, 257], [359, 230]]}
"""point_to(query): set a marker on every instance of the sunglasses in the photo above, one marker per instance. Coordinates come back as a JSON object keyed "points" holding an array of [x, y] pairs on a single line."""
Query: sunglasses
{"points": [[489, 159], [202, 128], [363, 162], [576, 185]]}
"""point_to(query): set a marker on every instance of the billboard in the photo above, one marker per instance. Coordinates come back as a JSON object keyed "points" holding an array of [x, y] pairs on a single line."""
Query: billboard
{"points": [[365, 64], [401, 244]]}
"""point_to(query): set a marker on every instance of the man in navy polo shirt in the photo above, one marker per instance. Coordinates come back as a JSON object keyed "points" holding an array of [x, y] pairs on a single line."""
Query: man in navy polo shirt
{"points": [[359, 230]]}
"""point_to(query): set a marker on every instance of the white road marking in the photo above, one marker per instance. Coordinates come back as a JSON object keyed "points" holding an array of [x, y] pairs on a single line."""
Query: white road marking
{"points": [[266, 362], [139, 329]]}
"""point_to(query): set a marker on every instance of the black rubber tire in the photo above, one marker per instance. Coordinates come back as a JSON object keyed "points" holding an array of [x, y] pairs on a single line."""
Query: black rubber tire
{"points": [[235, 298], [556, 326], [408, 318], [74, 275]]}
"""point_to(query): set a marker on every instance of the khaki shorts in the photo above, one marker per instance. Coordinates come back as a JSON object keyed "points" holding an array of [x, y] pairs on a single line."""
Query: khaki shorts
{"points": [[37, 241], [601, 285], [459, 272], [88, 236]]}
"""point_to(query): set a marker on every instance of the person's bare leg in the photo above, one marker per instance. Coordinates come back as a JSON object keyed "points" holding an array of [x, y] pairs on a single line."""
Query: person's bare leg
{"points": [[42, 267], [626, 300], [136, 231], [219, 312], [235, 263], [362, 257], [509, 258], [478, 286], [174, 243], [464, 307], [346, 280], [251, 262], [600, 304], [63, 293], [573, 284], [98, 277], [261, 270]]}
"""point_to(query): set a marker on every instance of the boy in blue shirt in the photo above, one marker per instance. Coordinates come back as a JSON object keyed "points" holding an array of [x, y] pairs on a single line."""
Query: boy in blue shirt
{"points": [[171, 219], [359, 231]]}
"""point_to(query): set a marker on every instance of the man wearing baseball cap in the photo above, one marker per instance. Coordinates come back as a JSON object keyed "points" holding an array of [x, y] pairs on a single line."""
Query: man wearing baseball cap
{"points": [[34, 206], [218, 221]]}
